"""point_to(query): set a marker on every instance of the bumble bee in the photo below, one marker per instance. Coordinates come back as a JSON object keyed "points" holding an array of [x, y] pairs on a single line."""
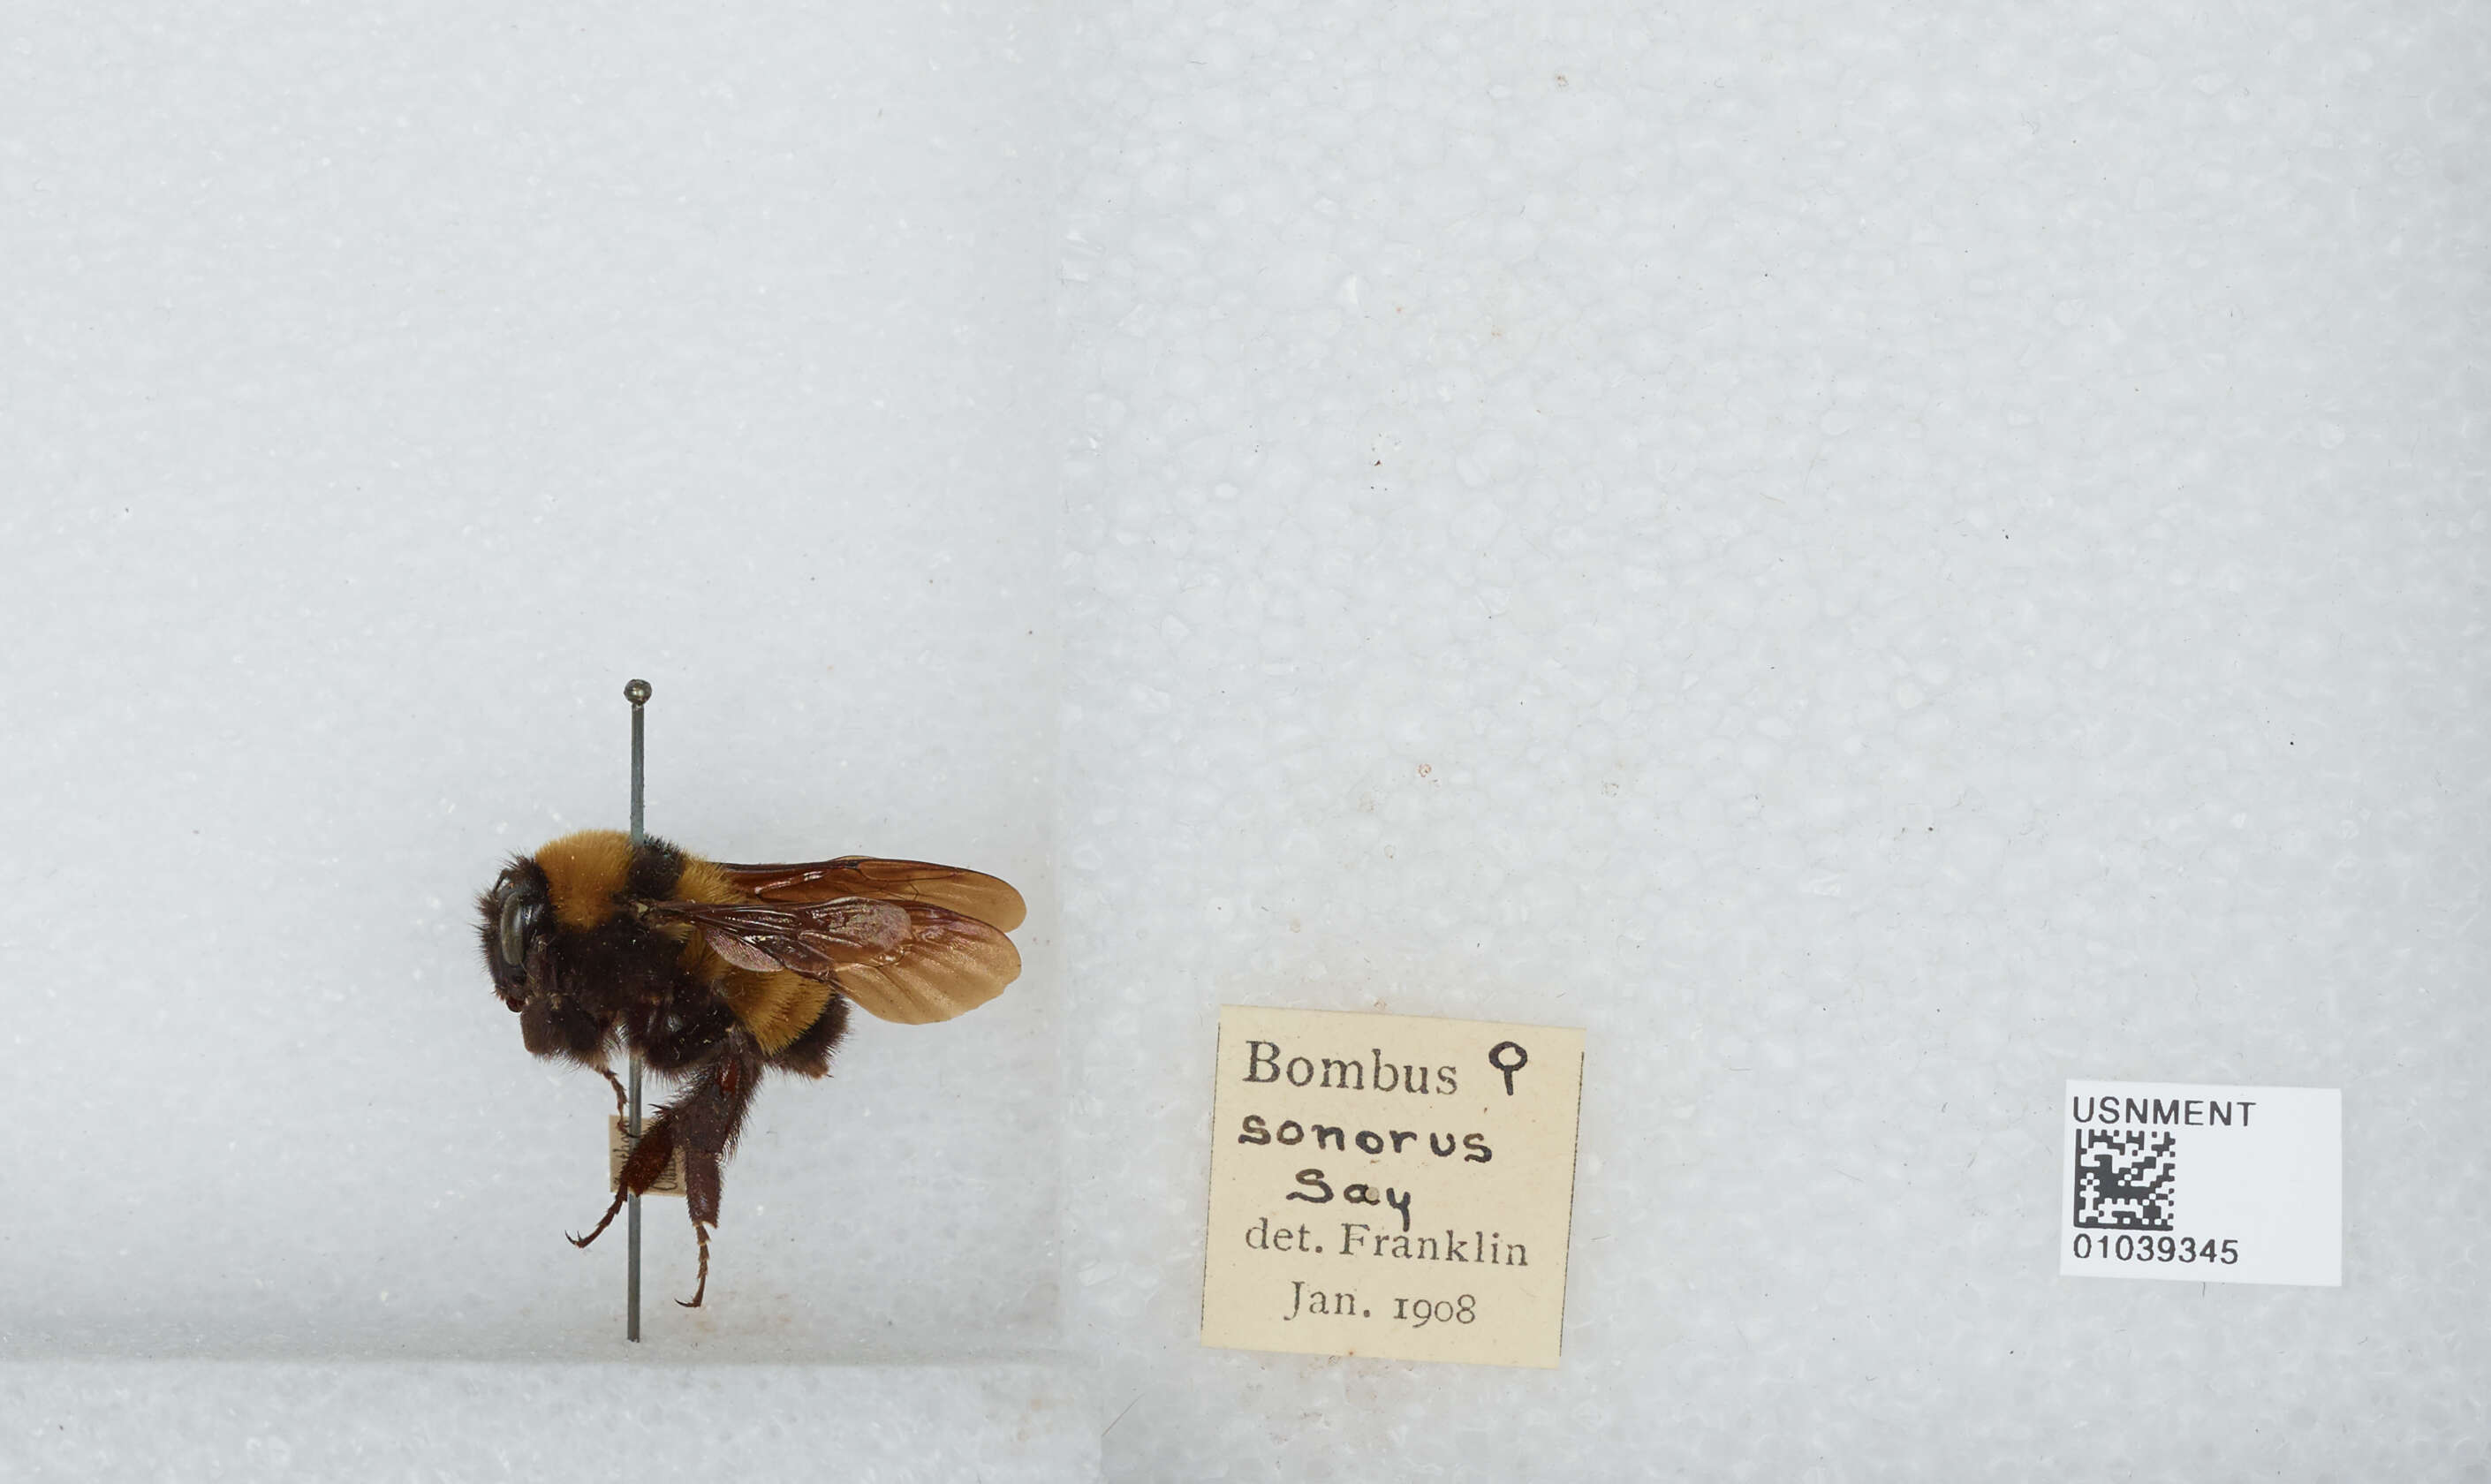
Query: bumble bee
{"points": [[714, 973]]}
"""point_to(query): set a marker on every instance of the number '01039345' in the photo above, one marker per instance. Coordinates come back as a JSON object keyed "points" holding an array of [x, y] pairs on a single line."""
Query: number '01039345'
{"points": [[2133, 1247]]}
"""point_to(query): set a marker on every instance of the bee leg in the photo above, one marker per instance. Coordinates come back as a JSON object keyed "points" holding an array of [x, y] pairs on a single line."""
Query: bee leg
{"points": [[644, 1169], [700, 1234], [621, 1192], [708, 1119], [701, 1185], [622, 1104]]}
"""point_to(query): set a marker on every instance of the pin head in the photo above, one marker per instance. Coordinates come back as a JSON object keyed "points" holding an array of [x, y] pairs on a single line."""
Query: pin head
{"points": [[636, 692]]}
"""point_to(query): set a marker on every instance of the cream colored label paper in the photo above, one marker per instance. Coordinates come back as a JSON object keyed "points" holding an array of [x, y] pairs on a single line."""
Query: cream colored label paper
{"points": [[618, 1149], [1391, 1185]]}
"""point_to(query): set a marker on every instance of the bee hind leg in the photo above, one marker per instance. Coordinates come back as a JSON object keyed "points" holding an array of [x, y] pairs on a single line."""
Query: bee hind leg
{"points": [[700, 1234], [711, 1116], [644, 1169], [702, 1169]]}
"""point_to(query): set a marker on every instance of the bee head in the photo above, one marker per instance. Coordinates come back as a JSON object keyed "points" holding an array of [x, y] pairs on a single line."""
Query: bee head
{"points": [[517, 916]]}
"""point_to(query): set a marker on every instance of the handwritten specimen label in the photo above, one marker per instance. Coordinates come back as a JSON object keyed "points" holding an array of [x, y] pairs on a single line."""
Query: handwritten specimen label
{"points": [[618, 1147], [1391, 1185]]}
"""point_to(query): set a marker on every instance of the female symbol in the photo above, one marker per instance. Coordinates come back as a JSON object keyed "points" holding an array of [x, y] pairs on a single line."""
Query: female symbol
{"points": [[1521, 1060]]}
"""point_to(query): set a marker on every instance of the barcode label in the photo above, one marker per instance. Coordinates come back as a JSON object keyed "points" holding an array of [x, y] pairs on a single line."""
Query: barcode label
{"points": [[2202, 1183], [2123, 1179]]}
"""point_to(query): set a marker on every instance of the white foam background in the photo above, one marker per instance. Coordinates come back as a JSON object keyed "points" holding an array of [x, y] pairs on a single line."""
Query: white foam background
{"points": [[1009, 1423], [1877, 559]]}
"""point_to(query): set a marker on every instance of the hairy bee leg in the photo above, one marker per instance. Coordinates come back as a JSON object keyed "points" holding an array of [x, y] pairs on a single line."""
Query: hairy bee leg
{"points": [[621, 1193], [705, 1122], [701, 1187], [700, 1234], [622, 1103], [644, 1169]]}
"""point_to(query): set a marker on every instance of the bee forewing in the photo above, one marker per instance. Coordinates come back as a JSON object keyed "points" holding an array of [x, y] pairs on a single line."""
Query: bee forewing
{"points": [[970, 893]]}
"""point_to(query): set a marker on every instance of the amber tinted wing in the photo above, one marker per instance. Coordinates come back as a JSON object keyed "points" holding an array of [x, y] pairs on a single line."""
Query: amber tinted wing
{"points": [[814, 940], [970, 893], [911, 962], [951, 963]]}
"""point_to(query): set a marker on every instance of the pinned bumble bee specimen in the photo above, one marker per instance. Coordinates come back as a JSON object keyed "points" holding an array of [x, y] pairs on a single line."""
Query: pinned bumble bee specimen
{"points": [[716, 974]]}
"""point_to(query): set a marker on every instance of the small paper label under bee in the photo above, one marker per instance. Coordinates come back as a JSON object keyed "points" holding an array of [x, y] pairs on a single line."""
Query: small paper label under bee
{"points": [[1391, 1185], [618, 1147]]}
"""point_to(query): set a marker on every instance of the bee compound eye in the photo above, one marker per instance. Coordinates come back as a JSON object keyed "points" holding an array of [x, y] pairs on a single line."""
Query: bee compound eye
{"points": [[519, 921]]}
